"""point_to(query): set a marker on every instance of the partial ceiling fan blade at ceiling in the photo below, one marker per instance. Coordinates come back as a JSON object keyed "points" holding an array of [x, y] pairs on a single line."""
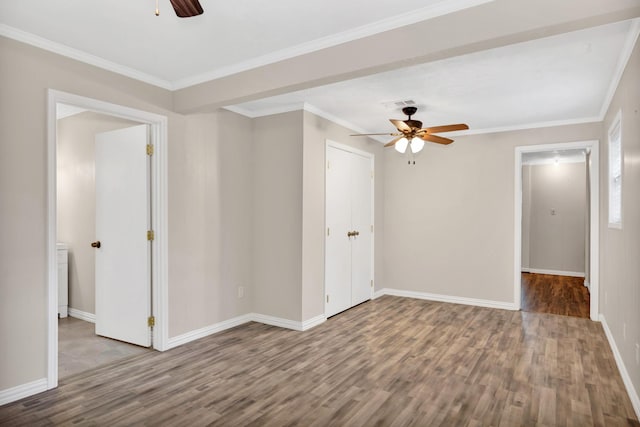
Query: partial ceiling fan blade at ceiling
{"points": [[187, 8], [400, 125], [447, 128], [437, 139], [393, 141]]}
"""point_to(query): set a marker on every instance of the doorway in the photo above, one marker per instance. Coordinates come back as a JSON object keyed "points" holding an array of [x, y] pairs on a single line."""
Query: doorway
{"points": [[158, 204], [552, 265]]}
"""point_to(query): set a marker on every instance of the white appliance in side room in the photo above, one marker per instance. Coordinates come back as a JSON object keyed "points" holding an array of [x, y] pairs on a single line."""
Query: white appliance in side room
{"points": [[63, 279]]}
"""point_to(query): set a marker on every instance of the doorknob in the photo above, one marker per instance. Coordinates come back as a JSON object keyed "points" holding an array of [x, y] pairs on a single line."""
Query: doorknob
{"points": [[353, 233], [95, 244]]}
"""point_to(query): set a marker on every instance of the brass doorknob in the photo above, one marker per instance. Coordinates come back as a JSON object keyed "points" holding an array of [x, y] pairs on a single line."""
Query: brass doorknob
{"points": [[95, 244]]}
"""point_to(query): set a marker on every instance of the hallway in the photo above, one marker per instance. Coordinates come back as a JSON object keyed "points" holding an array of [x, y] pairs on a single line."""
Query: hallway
{"points": [[544, 293]]}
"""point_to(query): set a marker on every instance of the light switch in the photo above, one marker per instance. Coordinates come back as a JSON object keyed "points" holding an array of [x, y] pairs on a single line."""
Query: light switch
{"points": [[553, 211]]}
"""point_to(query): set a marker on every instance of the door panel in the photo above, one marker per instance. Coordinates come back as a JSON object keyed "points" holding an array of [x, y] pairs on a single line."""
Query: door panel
{"points": [[123, 285], [348, 260], [361, 221], [338, 217]]}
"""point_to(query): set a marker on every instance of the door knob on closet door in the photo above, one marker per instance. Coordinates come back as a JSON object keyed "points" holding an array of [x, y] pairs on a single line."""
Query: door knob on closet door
{"points": [[353, 233], [96, 244]]}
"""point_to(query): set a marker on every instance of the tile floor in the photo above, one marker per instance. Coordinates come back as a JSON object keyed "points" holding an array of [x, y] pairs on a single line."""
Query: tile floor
{"points": [[80, 349]]}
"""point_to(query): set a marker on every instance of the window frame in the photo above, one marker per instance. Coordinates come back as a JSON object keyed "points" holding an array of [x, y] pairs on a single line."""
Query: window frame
{"points": [[614, 183]]}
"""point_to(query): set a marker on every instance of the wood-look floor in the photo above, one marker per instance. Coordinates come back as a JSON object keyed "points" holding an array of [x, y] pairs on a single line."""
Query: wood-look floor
{"points": [[544, 293], [389, 362]]}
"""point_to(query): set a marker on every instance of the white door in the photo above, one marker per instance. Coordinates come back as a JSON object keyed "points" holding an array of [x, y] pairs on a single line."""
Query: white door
{"points": [[361, 222], [338, 218], [348, 256], [123, 269]]}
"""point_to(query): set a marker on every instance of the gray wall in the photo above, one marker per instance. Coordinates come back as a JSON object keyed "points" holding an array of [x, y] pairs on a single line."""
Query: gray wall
{"points": [[620, 249], [77, 199], [555, 242], [449, 220]]}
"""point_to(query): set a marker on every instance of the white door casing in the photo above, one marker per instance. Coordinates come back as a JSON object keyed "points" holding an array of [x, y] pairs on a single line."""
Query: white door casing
{"points": [[123, 269], [349, 208]]}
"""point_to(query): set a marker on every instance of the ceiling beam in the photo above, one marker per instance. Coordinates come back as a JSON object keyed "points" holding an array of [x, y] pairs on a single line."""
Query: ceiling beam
{"points": [[490, 25]]}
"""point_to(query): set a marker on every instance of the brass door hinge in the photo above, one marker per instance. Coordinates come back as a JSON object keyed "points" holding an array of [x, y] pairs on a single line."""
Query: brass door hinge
{"points": [[151, 235], [149, 149], [151, 321]]}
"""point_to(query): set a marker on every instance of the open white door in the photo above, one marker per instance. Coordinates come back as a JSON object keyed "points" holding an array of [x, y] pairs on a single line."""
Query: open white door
{"points": [[123, 269]]}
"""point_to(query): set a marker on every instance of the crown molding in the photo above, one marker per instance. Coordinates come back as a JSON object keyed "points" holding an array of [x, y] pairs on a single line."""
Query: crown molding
{"points": [[625, 54], [433, 11], [78, 55]]}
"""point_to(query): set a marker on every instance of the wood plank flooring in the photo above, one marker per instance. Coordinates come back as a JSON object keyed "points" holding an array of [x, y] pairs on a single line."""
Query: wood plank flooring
{"points": [[544, 293], [389, 362]]}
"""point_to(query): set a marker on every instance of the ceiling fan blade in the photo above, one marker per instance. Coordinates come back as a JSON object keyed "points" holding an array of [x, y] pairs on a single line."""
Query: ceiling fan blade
{"points": [[187, 8], [400, 125], [393, 141], [367, 134], [437, 139], [447, 128]]}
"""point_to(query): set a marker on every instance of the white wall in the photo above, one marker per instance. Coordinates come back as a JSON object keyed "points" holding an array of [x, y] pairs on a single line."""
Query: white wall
{"points": [[556, 241], [76, 196]]}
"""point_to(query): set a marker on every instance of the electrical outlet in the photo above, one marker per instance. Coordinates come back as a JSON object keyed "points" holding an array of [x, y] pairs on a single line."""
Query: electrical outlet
{"points": [[637, 354], [240, 291]]}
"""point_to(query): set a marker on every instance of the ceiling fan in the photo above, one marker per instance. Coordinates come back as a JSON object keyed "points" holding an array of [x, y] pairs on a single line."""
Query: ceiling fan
{"points": [[412, 135], [184, 8]]}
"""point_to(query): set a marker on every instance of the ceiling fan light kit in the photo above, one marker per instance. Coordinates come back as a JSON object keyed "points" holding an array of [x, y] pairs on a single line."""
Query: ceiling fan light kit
{"points": [[412, 135]]}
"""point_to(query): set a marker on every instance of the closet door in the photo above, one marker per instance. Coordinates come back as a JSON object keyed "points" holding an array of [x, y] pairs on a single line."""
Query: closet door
{"points": [[338, 219], [361, 222], [349, 240]]}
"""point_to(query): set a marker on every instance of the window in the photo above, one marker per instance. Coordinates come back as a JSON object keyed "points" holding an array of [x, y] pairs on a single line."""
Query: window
{"points": [[615, 172]]}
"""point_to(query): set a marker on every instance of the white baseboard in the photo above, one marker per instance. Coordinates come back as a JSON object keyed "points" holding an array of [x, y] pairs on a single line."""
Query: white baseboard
{"points": [[633, 394], [314, 321], [587, 285], [82, 315], [21, 391], [553, 272], [277, 321], [207, 330], [237, 321], [446, 298]]}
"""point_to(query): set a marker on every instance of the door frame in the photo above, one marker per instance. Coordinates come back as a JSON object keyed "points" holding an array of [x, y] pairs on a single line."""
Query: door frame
{"points": [[159, 271], [329, 143], [594, 226]]}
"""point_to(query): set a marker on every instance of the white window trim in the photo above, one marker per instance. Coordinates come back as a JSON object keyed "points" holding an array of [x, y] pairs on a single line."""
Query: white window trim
{"points": [[617, 123]]}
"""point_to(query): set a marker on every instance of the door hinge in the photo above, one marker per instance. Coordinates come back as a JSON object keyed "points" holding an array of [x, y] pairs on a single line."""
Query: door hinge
{"points": [[372, 228], [372, 283], [328, 231], [371, 174], [327, 298], [328, 165], [151, 235], [151, 321], [149, 149]]}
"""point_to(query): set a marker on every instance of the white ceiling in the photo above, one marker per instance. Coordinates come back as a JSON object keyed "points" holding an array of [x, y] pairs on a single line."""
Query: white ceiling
{"points": [[231, 36], [567, 78]]}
